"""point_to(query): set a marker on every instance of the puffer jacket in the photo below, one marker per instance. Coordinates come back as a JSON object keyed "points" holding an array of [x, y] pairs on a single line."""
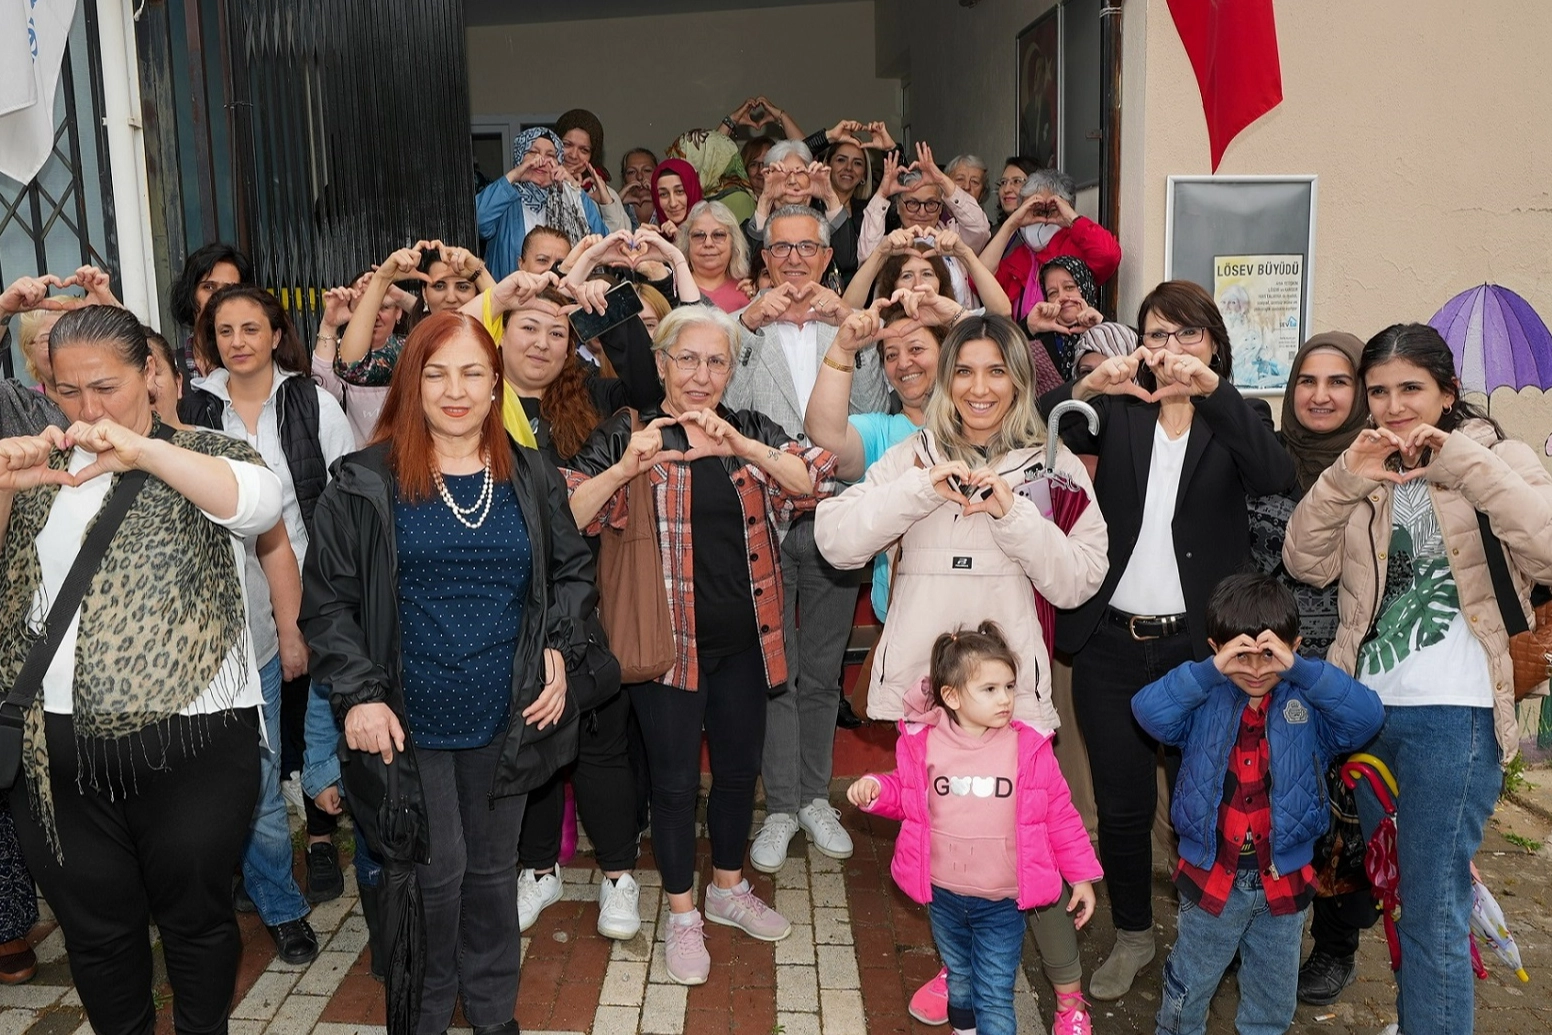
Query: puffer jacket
{"points": [[350, 609], [1315, 713], [956, 571], [1341, 529], [1050, 843]]}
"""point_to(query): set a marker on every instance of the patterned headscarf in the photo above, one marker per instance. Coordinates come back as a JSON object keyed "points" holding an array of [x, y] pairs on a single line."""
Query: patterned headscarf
{"points": [[560, 203], [716, 160], [686, 173], [1107, 339], [1063, 347]]}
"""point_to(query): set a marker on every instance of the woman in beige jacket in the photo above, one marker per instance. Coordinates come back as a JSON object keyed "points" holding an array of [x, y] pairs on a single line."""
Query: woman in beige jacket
{"points": [[1396, 520]]}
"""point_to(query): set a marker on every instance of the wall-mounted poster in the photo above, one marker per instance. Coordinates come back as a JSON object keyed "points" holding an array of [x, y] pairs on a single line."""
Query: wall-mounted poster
{"points": [[1261, 298], [1039, 78]]}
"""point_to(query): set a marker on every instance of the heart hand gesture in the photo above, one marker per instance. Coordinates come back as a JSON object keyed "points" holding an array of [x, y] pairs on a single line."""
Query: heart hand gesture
{"points": [[24, 461], [1181, 374], [1115, 376], [1370, 456]]}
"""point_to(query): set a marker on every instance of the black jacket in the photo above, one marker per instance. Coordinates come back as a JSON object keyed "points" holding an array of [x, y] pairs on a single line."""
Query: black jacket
{"points": [[1232, 453], [296, 415], [350, 612]]}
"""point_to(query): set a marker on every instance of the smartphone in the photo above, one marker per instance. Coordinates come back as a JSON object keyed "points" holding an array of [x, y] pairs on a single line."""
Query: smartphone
{"points": [[621, 303]]}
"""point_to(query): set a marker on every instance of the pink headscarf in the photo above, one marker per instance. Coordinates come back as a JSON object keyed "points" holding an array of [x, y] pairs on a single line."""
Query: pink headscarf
{"points": [[687, 175]]}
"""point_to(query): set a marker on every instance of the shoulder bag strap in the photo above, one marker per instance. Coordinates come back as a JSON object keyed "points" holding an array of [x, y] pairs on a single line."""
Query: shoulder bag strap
{"points": [[1503, 586], [93, 549]]}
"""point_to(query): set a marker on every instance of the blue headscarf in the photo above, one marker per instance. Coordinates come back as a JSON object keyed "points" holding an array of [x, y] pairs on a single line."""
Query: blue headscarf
{"points": [[563, 209]]}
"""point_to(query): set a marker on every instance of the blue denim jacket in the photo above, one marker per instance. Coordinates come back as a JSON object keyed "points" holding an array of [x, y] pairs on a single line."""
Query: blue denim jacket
{"points": [[1316, 712]]}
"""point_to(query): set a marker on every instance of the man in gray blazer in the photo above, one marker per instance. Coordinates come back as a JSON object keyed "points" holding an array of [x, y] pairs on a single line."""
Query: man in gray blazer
{"points": [[786, 333]]}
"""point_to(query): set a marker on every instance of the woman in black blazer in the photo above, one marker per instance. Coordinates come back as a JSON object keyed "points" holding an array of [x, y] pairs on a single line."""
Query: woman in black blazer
{"points": [[1179, 450]]}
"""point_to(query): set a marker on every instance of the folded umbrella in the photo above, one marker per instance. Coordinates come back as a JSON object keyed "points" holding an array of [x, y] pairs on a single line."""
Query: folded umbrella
{"points": [[1059, 498], [1487, 925]]}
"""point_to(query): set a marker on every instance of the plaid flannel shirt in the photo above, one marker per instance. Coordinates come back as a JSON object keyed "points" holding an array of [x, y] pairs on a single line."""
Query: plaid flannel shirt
{"points": [[765, 504], [1245, 825]]}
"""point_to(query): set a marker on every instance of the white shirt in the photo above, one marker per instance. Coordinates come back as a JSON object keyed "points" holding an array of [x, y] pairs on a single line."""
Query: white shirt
{"points": [[800, 345], [1151, 583], [258, 507]]}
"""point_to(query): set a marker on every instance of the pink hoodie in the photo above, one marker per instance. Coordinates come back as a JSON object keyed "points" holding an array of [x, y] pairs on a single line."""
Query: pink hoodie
{"points": [[1051, 845]]}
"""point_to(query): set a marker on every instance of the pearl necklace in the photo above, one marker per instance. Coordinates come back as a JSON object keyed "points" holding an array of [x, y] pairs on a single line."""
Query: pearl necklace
{"points": [[482, 503]]}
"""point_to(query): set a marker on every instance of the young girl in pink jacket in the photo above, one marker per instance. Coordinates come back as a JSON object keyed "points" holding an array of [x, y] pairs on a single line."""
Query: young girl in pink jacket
{"points": [[987, 830]]}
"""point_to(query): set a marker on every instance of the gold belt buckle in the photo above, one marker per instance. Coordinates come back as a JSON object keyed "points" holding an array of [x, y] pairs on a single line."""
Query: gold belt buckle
{"points": [[1131, 626]]}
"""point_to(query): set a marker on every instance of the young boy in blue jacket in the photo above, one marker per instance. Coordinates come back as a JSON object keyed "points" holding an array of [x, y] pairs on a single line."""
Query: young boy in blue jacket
{"points": [[1257, 726]]}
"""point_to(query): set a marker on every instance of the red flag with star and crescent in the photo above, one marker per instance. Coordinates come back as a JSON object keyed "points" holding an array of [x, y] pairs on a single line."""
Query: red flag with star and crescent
{"points": [[1232, 45]]}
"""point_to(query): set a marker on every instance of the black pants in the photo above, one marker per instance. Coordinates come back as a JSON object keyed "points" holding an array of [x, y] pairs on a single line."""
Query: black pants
{"points": [[605, 791], [160, 844], [1340, 920], [730, 707], [1109, 669]]}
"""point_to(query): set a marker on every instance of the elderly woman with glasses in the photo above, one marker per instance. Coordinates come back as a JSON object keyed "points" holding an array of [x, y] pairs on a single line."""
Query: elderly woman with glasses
{"points": [[1044, 226], [719, 255], [721, 481], [929, 201]]}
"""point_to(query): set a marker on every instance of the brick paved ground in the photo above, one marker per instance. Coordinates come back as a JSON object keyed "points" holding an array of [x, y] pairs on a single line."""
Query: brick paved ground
{"points": [[857, 950]]}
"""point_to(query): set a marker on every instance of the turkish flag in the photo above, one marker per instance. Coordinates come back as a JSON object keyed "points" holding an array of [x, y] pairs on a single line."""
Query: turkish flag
{"points": [[1232, 45]]}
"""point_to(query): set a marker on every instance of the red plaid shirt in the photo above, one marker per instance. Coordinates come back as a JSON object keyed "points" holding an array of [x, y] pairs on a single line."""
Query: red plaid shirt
{"points": [[1245, 827], [765, 504]]}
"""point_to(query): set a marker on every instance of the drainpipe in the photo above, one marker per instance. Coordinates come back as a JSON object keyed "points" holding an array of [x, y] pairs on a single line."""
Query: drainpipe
{"points": [[126, 159], [1110, 128]]}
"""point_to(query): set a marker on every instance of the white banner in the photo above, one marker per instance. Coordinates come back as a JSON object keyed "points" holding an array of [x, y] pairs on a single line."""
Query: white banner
{"points": [[29, 72]]}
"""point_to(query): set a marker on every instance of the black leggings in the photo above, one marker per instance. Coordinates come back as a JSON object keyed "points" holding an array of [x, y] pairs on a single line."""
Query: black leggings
{"points": [[160, 844], [1106, 673], [605, 790], [730, 707]]}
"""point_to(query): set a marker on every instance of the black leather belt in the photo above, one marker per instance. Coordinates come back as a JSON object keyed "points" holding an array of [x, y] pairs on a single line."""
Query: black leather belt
{"points": [[1147, 627]]}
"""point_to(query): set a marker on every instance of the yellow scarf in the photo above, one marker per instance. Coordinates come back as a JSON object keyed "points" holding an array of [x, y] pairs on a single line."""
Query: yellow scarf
{"points": [[512, 416]]}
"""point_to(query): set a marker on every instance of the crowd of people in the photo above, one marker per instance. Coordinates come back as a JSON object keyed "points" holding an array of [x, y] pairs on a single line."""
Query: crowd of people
{"points": [[537, 514]]}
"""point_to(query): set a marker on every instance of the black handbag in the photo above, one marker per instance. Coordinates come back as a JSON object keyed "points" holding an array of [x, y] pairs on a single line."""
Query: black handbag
{"points": [[13, 710]]}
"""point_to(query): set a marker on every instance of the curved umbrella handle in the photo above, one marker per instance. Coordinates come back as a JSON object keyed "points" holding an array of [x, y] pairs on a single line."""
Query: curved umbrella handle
{"points": [[1054, 424]]}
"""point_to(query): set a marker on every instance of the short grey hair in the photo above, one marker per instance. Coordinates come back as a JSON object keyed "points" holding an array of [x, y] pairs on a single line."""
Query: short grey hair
{"points": [[972, 161], [790, 211], [783, 149], [738, 265], [671, 327], [1050, 181]]}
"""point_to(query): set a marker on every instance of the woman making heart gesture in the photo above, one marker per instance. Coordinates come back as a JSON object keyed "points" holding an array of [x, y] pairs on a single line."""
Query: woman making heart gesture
{"points": [[1396, 520], [1179, 449]]}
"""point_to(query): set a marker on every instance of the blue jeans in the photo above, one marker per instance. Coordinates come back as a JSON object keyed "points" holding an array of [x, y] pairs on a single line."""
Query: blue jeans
{"points": [[1445, 760], [981, 942], [266, 860], [1268, 948]]}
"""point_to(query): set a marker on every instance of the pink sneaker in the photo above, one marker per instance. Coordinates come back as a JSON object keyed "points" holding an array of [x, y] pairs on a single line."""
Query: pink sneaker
{"points": [[743, 910], [930, 1003], [685, 954], [1072, 1015]]}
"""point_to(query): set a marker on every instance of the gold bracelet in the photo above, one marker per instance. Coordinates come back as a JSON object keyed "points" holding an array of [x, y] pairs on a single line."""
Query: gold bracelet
{"points": [[848, 367]]}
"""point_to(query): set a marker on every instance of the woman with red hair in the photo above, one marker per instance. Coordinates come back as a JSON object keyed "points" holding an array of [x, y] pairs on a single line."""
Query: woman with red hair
{"points": [[443, 597]]}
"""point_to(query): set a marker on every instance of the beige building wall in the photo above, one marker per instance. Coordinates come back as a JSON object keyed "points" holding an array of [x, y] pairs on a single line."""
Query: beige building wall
{"points": [[650, 78], [1430, 129]]}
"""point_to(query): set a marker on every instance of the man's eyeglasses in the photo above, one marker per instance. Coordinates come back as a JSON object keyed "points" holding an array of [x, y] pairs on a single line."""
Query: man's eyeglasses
{"points": [[1010, 181], [1185, 335], [929, 206], [689, 363], [782, 249], [702, 236]]}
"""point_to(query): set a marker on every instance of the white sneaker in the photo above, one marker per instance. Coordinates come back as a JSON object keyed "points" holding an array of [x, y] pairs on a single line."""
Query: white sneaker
{"points": [[619, 908], [768, 854], [1391, 1029], [291, 791], [534, 896], [823, 826]]}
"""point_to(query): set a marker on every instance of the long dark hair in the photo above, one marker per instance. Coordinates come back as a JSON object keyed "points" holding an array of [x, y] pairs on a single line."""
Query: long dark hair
{"points": [[289, 354], [180, 299], [1423, 346]]}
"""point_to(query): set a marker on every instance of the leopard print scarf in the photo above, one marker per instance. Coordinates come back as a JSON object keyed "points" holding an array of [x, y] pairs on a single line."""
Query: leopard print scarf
{"points": [[162, 621]]}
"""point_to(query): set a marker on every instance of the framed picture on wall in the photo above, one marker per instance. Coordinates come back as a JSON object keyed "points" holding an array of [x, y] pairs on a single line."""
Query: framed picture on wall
{"points": [[1039, 89], [1250, 241]]}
